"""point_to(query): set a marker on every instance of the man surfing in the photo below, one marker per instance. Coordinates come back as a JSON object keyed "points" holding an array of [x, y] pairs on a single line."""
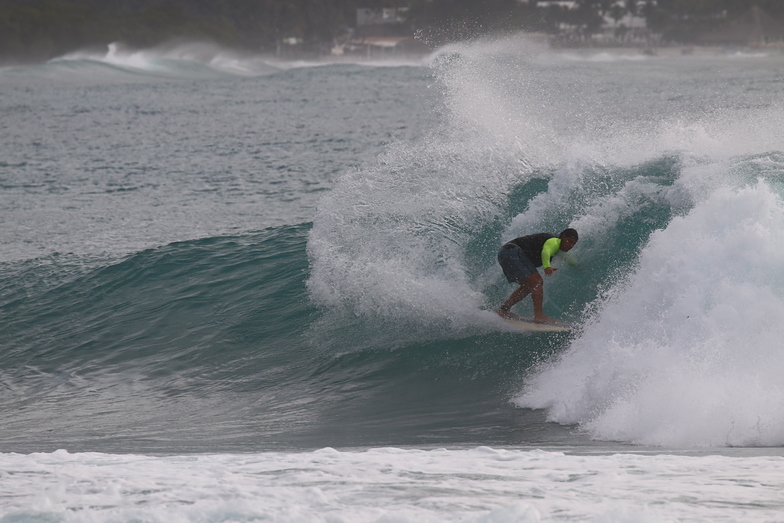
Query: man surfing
{"points": [[519, 258]]}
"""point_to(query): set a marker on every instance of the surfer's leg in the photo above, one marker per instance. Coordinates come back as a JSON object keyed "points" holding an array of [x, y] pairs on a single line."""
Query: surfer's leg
{"points": [[537, 296], [517, 269], [521, 292]]}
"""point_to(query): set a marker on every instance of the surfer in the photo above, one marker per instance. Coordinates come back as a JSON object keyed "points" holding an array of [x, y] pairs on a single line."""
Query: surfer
{"points": [[519, 259]]}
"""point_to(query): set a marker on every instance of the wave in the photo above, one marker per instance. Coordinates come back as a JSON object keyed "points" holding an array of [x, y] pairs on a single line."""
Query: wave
{"points": [[214, 342], [373, 324], [686, 351], [123, 347], [676, 193], [160, 303], [369, 327]]}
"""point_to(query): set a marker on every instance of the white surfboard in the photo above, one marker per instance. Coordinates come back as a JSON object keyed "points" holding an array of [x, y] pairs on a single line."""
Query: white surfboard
{"points": [[527, 324]]}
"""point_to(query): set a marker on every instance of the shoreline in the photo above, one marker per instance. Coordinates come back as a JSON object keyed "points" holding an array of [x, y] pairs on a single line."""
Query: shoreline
{"points": [[418, 59], [671, 51]]}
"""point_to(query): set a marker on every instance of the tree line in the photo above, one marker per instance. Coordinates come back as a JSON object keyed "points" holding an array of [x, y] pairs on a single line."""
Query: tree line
{"points": [[40, 29]]}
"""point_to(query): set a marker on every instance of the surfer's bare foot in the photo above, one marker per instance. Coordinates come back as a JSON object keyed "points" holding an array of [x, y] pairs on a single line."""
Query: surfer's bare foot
{"points": [[506, 313], [543, 319]]}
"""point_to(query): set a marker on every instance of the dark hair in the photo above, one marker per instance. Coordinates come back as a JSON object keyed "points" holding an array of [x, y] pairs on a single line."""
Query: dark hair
{"points": [[568, 233]]}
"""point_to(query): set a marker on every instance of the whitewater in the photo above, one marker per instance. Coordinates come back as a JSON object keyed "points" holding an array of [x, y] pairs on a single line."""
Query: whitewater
{"points": [[234, 288]]}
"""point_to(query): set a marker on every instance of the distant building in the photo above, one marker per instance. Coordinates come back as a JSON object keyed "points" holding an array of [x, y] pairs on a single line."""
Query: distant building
{"points": [[620, 26], [381, 22], [567, 4], [624, 27], [381, 33], [367, 16], [754, 29]]}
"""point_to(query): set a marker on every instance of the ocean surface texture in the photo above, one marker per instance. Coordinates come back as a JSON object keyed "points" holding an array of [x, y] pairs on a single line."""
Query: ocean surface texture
{"points": [[234, 289]]}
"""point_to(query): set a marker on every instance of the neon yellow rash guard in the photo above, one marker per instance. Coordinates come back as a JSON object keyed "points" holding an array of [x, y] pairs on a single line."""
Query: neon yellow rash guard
{"points": [[550, 249]]}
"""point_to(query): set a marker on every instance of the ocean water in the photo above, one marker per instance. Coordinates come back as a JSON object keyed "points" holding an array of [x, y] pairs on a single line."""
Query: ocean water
{"points": [[235, 289]]}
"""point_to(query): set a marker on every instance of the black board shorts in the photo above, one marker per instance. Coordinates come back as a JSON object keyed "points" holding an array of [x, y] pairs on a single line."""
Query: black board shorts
{"points": [[516, 265]]}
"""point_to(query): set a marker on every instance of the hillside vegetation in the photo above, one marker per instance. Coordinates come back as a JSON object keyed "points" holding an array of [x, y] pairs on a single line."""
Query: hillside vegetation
{"points": [[40, 29]]}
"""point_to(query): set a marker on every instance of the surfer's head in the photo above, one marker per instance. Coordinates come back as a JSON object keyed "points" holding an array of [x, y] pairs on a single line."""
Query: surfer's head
{"points": [[568, 238]]}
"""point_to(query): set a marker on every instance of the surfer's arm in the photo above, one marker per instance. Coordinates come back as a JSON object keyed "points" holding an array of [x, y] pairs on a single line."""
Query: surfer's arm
{"points": [[550, 249]]}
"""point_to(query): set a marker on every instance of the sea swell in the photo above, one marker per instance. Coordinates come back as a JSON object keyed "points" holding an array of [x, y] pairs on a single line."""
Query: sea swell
{"points": [[372, 325], [228, 340], [215, 343], [157, 336]]}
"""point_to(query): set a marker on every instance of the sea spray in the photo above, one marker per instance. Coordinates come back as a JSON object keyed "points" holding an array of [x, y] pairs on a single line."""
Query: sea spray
{"points": [[389, 239], [686, 351]]}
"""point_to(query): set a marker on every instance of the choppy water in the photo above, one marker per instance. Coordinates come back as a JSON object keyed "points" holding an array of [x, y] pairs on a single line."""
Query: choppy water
{"points": [[233, 263]]}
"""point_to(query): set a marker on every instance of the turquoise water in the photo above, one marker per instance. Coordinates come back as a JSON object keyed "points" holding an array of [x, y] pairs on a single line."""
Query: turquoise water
{"points": [[297, 257], [230, 263]]}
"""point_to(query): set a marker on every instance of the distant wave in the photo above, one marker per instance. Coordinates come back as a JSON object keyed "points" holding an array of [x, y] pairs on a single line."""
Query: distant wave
{"points": [[192, 59], [203, 60]]}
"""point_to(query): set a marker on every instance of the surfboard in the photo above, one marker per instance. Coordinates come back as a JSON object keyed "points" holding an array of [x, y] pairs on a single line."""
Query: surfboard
{"points": [[528, 324]]}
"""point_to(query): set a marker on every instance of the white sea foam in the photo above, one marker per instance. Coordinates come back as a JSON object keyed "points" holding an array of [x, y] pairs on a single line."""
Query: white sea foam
{"points": [[687, 352], [193, 59], [481, 485]]}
